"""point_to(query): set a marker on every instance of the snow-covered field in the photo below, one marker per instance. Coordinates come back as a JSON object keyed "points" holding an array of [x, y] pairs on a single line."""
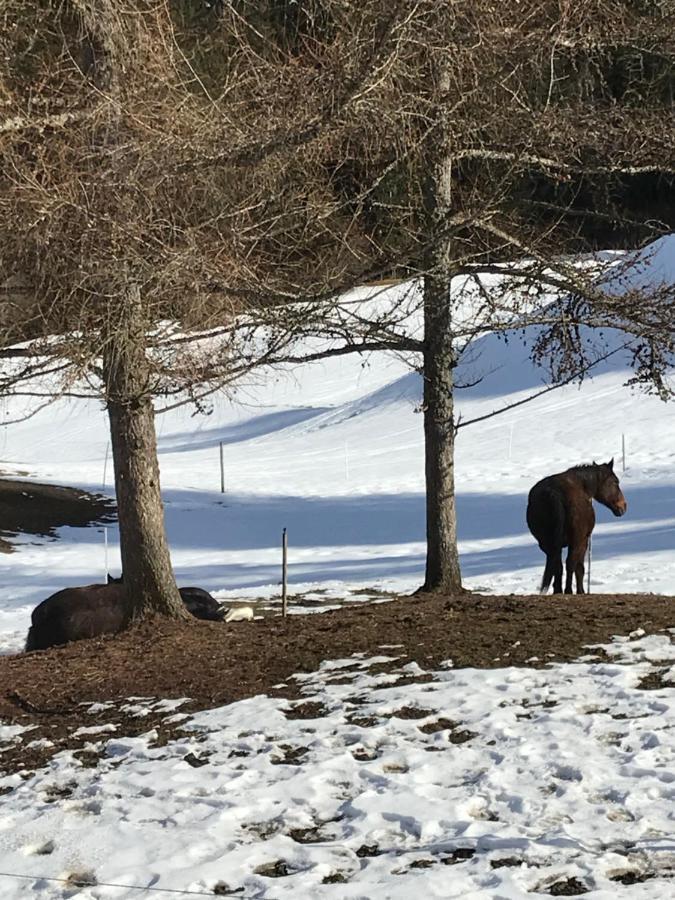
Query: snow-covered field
{"points": [[568, 771], [502, 783]]}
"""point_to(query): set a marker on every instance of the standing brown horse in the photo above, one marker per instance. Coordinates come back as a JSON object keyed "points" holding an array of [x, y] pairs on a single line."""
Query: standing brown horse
{"points": [[560, 514]]}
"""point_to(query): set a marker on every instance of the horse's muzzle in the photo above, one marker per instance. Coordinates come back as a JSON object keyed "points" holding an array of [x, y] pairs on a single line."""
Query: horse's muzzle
{"points": [[620, 509]]}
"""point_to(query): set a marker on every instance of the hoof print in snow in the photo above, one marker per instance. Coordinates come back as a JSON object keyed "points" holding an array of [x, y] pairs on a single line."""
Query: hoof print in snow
{"points": [[461, 736], [81, 879], [363, 721], [263, 830], [357, 701], [306, 835], [307, 710], [439, 725], [196, 761], [411, 712], [509, 862], [568, 773], [221, 889], [567, 887], [315, 834], [422, 864], [59, 791], [630, 876], [395, 768], [88, 759], [654, 681], [278, 869], [293, 756], [335, 878], [456, 734], [42, 849], [460, 855], [366, 850], [363, 755]]}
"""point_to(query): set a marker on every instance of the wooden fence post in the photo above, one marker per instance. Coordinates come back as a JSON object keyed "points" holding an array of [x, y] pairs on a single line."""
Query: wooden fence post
{"points": [[284, 573], [222, 470], [105, 554]]}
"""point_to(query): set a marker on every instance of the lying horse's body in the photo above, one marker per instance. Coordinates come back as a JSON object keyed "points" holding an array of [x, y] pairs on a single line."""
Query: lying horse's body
{"points": [[201, 604], [197, 601], [560, 514], [94, 609], [77, 613]]}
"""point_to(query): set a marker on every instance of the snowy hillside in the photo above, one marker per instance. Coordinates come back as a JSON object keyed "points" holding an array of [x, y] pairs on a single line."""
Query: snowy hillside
{"points": [[333, 451]]}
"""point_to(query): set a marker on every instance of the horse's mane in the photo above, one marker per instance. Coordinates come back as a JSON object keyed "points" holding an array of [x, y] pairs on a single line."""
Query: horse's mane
{"points": [[586, 467], [589, 473]]}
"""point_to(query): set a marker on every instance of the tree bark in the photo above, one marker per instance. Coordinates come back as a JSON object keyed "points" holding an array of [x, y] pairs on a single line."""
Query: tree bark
{"points": [[146, 561], [443, 573]]}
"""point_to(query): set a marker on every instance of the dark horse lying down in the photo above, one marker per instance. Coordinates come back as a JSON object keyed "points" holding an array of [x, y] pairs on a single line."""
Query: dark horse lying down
{"points": [[83, 612], [196, 600], [560, 514]]}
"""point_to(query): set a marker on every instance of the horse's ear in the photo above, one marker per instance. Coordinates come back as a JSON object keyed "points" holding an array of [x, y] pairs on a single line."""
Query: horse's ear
{"points": [[611, 464]]}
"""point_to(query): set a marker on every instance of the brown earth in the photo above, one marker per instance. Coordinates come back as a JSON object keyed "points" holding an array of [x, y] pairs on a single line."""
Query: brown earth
{"points": [[214, 664], [28, 507]]}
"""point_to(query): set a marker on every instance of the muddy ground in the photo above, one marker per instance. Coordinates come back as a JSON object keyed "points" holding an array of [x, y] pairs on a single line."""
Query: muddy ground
{"points": [[28, 507], [216, 663]]}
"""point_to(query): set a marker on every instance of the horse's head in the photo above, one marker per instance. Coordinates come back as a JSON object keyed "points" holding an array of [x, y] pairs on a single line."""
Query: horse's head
{"points": [[608, 491]]}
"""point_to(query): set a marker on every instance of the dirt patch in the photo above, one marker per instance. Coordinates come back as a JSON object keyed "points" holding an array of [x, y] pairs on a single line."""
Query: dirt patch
{"points": [[216, 663], [28, 507], [309, 710], [568, 887]]}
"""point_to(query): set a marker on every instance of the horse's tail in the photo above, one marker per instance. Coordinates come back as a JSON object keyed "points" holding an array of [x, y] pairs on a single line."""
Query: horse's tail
{"points": [[548, 576], [558, 517]]}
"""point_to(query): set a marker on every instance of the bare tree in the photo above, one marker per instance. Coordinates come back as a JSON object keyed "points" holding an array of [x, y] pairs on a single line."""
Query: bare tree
{"points": [[516, 107], [158, 179]]}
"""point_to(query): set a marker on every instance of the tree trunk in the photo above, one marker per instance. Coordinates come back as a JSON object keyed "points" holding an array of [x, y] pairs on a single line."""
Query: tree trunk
{"points": [[146, 562], [443, 573], [442, 570]]}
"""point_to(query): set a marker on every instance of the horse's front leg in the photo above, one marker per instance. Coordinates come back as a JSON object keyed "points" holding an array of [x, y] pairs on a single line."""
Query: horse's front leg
{"points": [[580, 569], [557, 572], [579, 574]]}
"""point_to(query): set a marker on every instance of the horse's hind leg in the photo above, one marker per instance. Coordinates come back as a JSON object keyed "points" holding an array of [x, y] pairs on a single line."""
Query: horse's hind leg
{"points": [[575, 567], [580, 569], [558, 573], [579, 574], [553, 571]]}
